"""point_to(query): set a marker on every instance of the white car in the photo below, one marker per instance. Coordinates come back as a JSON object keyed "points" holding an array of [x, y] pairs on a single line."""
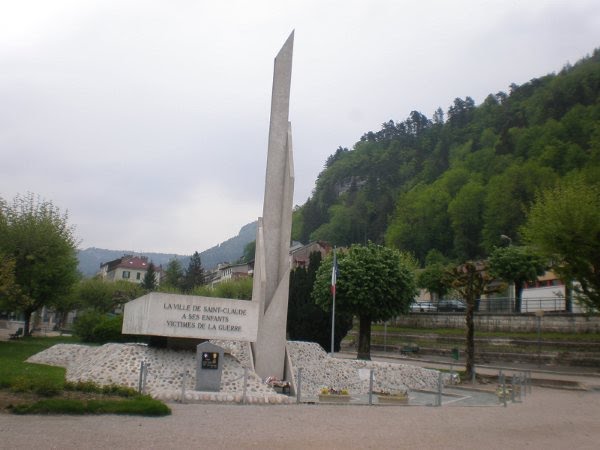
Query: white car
{"points": [[422, 307]]}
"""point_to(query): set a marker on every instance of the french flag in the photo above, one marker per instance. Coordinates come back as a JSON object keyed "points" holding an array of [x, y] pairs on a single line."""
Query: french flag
{"points": [[334, 272]]}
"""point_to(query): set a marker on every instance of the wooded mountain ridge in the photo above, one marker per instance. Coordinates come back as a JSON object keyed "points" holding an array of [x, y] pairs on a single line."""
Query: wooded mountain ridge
{"points": [[457, 182]]}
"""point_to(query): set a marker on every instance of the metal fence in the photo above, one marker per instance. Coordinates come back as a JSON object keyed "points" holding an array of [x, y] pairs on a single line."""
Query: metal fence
{"points": [[528, 304], [370, 390], [448, 392]]}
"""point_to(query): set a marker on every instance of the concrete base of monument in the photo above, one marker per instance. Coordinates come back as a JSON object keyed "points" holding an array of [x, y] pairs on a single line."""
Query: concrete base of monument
{"points": [[171, 373]]}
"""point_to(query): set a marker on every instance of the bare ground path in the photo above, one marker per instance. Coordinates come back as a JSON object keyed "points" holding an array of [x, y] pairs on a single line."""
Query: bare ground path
{"points": [[548, 419]]}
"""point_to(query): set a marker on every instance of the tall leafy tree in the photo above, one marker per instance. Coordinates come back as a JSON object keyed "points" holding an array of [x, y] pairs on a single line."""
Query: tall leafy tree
{"points": [[471, 280], [249, 252], [433, 276], [173, 274], [40, 241], [149, 282], [507, 197], [105, 296], [7, 277], [194, 274], [466, 216], [307, 321], [564, 225], [518, 265], [375, 283]]}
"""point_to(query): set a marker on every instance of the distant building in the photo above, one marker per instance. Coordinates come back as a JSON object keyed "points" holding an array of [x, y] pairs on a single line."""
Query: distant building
{"points": [[299, 257], [129, 268], [300, 254], [232, 272]]}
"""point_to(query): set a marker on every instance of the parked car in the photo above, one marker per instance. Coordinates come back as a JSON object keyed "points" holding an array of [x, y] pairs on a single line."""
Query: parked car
{"points": [[451, 306], [422, 307]]}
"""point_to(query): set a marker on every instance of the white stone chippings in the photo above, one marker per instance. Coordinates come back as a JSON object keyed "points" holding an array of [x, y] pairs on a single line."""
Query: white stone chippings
{"points": [[120, 364]]}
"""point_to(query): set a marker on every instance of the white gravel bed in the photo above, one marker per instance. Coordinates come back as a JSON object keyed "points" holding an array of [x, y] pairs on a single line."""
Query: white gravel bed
{"points": [[120, 364]]}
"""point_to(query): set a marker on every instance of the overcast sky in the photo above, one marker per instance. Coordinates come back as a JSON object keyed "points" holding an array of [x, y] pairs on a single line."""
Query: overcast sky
{"points": [[148, 120]]}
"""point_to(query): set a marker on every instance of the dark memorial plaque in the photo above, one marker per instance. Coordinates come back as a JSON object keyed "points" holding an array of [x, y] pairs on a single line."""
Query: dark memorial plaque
{"points": [[210, 360]]}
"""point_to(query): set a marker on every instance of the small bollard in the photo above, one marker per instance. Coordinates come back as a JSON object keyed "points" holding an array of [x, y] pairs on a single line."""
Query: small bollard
{"points": [[298, 387], [522, 388], [512, 388], [145, 376], [371, 386], [439, 393], [503, 390], [142, 379], [183, 381]]}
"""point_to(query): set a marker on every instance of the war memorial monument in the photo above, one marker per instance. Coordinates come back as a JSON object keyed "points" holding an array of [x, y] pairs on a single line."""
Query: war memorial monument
{"points": [[238, 343], [261, 321]]}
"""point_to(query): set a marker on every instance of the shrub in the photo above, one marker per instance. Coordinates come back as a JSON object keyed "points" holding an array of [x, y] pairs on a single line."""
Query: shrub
{"points": [[141, 406], [92, 326], [110, 389], [85, 323], [109, 330]]}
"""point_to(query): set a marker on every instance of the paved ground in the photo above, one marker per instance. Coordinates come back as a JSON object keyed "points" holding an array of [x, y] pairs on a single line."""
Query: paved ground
{"points": [[548, 419]]}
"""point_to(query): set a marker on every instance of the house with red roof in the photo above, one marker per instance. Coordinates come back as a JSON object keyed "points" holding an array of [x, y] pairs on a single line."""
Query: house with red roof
{"points": [[129, 268]]}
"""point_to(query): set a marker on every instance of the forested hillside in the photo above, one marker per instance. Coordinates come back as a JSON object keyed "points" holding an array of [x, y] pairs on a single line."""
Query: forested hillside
{"points": [[458, 181]]}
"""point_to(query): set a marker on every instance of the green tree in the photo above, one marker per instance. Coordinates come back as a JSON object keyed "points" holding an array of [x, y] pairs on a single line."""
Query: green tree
{"points": [[306, 320], [37, 236], [374, 283], [7, 277], [194, 274], [249, 251], [105, 296], [173, 274], [517, 265], [240, 289], [466, 216], [508, 196], [149, 282], [95, 293], [564, 225], [471, 280], [433, 276]]}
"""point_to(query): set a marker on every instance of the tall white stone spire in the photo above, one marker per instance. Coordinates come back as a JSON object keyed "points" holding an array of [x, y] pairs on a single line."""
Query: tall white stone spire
{"points": [[272, 263]]}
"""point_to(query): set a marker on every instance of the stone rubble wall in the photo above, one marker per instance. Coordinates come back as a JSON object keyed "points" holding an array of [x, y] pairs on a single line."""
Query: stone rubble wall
{"points": [[320, 370], [120, 364], [509, 322]]}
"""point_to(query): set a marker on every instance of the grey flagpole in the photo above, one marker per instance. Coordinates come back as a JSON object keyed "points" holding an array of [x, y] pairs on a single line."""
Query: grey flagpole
{"points": [[333, 289]]}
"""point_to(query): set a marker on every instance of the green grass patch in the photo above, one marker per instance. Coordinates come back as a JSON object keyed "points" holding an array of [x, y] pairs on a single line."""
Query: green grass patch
{"points": [[140, 405], [38, 380], [22, 376]]}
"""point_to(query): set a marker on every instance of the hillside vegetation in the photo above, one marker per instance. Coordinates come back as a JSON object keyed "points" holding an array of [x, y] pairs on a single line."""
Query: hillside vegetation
{"points": [[458, 181]]}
